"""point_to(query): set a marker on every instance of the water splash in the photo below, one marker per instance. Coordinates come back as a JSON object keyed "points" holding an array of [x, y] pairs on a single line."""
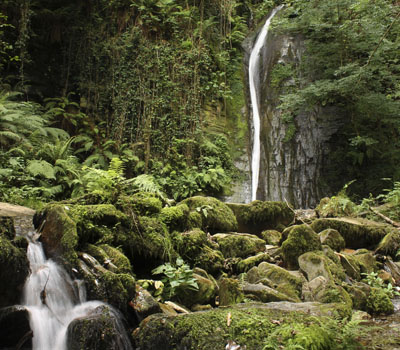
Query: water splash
{"points": [[254, 87]]}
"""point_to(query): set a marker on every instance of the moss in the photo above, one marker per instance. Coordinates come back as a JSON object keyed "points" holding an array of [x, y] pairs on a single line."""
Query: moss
{"points": [[141, 204], [14, 269], [249, 325], [230, 292], [367, 262], [246, 264], [378, 302], [94, 222], [218, 218], [351, 266], [359, 293], [357, 233], [59, 234], [239, 244], [210, 260], [189, 244], [175, 217], [271, 237], [7, 227], [258, 216], [300, 239], [194, 220]]}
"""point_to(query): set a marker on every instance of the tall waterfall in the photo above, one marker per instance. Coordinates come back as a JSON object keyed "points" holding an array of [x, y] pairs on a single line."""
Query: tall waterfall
{"points": [[53, 300], [254, 85]]}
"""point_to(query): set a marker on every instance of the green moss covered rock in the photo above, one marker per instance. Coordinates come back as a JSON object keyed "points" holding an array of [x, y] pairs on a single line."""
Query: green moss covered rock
{"points": [[176, 218], [316, 264], [110, 256], [7, 227], [59, 234], [140, 204], [249, 325], [278, 278], [333, 239], [390, 244], [230, 292], [300, 239], [216, 215], [246, 264], [366, 261], [357, 233], [272, 237], [240, 245], [14, 269], [258, 216]]}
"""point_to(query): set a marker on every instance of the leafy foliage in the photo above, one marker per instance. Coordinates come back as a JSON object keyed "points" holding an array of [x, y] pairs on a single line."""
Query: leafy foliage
{"points": [[177, 278]]}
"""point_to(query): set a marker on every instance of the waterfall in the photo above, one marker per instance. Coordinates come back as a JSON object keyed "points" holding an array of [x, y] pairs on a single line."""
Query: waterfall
{"points": [[53, 299], [254, 85]]}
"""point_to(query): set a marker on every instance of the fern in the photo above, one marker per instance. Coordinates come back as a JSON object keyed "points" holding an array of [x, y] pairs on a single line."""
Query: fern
{"points": [[41, 168], [146, 183]]}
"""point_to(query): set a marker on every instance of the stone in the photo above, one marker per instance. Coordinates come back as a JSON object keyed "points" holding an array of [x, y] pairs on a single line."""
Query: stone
{"points": [[100, 330], [300, 239], [351, 266], [141, 203], [318, 264], [333, 239], [246, 264], [144, 304], [264, 294], [390, 244], [240, 245], [357, 233], [271, 237], [277, 278], [258, 216], [176, 218], [359, 293], [15, 330]]}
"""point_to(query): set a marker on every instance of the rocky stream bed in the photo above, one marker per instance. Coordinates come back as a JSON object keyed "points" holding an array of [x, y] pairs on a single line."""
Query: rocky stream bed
{"points": [[267, 277]]}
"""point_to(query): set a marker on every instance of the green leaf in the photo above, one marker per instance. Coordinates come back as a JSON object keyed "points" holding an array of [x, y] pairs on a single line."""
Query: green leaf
{"points": [[42, 168]]}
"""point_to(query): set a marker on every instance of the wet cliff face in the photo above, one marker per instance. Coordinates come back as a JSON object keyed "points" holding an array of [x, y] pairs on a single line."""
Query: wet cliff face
{"points": [[290, 167]]}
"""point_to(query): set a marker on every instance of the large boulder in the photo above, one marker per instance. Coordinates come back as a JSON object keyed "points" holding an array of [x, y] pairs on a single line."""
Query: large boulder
{"points": [[215, 215], [240, 245], [144, 304], [333, 239], [300, 239], [230, 292], [390, 244], [258, 216], [15, 330], [278, 278], [357, 233], [265, 294], [102, 329]]}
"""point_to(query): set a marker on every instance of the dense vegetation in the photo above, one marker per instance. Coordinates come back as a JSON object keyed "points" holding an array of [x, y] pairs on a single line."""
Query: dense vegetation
{"points": [[158, 86]]}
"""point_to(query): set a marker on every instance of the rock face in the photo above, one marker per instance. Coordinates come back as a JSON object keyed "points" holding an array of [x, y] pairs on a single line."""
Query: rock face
{"points": [[290, 167], [15, 331]]}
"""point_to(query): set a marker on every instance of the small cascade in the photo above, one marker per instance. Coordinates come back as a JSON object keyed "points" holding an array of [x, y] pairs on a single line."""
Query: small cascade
{"points": [[254, 88], [54, 300]]}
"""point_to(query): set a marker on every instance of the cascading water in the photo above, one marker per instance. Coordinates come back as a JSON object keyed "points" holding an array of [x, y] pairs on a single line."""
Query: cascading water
{"points": [[53, 300], [254, 85]]}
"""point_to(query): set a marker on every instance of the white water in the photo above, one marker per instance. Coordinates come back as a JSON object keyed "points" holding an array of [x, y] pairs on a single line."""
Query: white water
{"points": [[64, 300], [254, 84]]}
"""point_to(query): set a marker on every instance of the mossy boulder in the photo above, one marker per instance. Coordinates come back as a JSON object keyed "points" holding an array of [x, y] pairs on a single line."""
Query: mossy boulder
{"points": [[378, 302], [357, 233], [265, 294], [333, 239], [7, 227], [14, 269], [230, 292], [300, 239], [100, 330], [367, 262], [358, 292], [258, 216], [390, 244], [59, 234], [351, 266], [143, 303], [246, 264], [278, 278], [316, 264], [111, 258], [140, 204], [216, 215], [176, 218], [206, 293], [210, 260], [241, 245], [272, 237], [249, 325]]}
